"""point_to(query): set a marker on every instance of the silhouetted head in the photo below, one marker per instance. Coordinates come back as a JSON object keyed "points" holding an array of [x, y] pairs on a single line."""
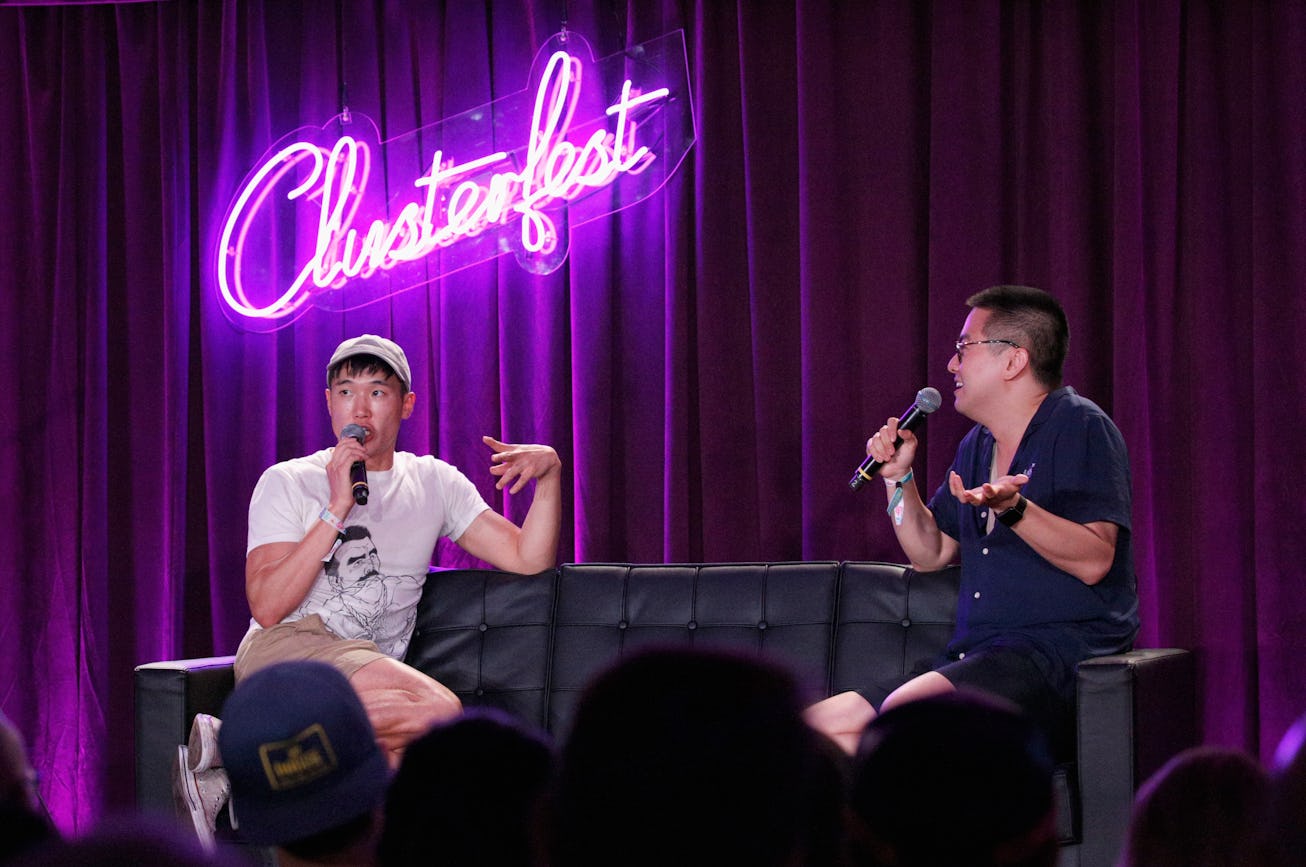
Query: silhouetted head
{"points": [[1287, 821], [689, 757], [302, 758], [473, 784], [957, 779], [1203, 808]]}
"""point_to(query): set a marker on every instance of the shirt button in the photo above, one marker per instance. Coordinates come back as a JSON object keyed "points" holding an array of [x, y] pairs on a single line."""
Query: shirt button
{"points": [[961, 655], [976, 594], [984, 514], [985, 551]]}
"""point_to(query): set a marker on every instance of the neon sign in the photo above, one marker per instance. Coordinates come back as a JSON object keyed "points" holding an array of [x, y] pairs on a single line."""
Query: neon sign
{"points": [[315, 221]]}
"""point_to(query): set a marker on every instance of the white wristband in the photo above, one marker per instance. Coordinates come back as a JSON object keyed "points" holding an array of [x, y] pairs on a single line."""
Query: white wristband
{"points": [[326, 515]]}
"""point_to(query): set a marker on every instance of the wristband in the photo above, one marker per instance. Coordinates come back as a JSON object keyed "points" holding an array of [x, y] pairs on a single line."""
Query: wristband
{"points": [[895, 504], [331, 519], [904, 480], [337, 525]]}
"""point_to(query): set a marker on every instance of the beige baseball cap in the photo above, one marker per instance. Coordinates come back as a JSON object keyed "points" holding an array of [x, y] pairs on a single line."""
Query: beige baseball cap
{"points": [[370, 344]]}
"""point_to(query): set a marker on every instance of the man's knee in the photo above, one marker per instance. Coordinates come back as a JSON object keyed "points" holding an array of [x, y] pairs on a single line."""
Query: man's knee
{"points": [[841, 718], [930, 683], [389, 687]]}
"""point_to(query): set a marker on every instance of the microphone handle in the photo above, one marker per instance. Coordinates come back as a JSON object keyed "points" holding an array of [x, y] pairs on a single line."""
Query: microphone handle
{"points": [[358, 475], [870, 466]]}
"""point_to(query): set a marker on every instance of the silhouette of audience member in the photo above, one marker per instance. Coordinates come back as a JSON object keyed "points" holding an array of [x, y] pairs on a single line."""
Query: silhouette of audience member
{"points": [[307, 775], [468, 791], [23, 820], [1203, 808], [1287, 813], [962, 778], [690, 758], [129, 841]]}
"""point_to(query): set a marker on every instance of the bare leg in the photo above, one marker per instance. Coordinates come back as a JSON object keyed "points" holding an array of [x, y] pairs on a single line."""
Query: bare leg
{"points": [[402, 703], [922, 686], [841, 718]]}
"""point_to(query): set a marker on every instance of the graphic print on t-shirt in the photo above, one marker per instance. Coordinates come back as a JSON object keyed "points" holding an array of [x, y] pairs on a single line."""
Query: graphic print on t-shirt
{"points": [[359, 599]]}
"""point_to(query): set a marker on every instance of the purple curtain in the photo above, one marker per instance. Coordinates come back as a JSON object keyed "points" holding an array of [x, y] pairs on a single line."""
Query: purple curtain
{"points": [[708, 362]]}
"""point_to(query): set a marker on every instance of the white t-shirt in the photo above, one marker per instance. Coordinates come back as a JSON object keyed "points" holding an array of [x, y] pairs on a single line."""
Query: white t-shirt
{"points": [[370, 587]]}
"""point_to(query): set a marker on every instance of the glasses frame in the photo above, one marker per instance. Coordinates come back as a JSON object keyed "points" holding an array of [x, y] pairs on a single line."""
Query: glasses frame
{"points": [[960, 345]]}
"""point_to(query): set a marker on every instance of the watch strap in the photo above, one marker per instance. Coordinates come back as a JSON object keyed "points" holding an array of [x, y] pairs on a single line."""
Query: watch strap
{"points": [[1010, 517]]}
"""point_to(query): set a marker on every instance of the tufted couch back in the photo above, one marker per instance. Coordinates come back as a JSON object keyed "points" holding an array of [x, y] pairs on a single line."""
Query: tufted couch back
{"points": [[528, 644]]}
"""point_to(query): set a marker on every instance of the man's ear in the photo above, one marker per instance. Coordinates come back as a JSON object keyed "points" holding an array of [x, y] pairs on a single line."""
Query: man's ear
{"points": [[1017, 360], [410, 401]]}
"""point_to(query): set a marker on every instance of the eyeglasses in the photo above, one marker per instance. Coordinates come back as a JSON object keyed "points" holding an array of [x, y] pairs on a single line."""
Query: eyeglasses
{"points": [[962, 344]]}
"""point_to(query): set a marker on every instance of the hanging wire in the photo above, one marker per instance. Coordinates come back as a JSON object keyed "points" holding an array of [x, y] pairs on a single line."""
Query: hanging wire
{"points": [[345, 116]]}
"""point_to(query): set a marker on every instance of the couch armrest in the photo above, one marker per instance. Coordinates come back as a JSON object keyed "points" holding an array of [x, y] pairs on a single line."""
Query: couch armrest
{"points": [[168, 695], [1136, 710]]}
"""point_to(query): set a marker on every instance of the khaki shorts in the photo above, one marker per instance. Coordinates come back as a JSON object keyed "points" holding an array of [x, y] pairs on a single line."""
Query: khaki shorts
{"points": [[303, 639]]}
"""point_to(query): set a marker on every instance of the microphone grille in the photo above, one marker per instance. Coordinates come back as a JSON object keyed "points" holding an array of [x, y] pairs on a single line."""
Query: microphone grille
{"points": [[929, 399], [357, 432]]}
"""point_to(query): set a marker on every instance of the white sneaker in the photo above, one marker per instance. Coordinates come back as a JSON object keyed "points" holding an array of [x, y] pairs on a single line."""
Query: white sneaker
{"points": [[203, 743], [203, 793]]}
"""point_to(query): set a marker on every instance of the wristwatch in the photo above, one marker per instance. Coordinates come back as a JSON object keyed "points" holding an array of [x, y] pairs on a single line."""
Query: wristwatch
{"points": [[1010, 517]]}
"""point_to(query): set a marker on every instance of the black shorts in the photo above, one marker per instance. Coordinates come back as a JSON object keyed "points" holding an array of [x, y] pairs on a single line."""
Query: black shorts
{"points": [[1024, 674]]}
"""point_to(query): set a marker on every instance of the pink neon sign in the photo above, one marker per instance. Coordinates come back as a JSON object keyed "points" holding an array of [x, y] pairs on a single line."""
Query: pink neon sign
{"points": [[315, 222]]}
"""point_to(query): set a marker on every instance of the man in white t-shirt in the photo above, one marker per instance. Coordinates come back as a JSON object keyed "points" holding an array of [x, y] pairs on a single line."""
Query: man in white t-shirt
{"points": [[337, 581]]}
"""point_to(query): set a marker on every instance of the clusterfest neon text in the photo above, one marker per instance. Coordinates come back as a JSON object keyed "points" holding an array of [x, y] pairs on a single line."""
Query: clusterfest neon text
{"points": [[454, 202]]}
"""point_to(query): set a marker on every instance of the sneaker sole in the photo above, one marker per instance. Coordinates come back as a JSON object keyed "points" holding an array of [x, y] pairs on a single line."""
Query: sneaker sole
{"points": [[202, 745], [189, 793]]}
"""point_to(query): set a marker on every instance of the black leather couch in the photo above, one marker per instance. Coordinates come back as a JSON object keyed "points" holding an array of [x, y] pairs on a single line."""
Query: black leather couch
{"points": [[529, 644]]}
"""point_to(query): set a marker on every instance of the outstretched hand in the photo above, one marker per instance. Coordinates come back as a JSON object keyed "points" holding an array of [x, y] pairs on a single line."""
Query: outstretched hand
{"points": [[999, 494], [519, 463]]}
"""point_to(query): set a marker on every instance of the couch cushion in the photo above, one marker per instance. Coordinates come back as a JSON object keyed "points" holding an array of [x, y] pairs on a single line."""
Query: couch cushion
{"points": [[891, 621], [485, 635]]}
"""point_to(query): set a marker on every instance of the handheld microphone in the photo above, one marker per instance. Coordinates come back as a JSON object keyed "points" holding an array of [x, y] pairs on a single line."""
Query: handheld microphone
{"points": [[927, 401], [358, 472]]}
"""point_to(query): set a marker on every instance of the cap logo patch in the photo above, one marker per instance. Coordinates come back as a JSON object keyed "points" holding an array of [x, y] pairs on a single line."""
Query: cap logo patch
{"points": [[299, 760]]}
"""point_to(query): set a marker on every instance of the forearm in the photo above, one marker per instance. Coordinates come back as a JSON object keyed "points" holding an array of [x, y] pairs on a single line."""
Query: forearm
{"points": [[1084, 551], [278, 576], [926, 546], [537, 544]]}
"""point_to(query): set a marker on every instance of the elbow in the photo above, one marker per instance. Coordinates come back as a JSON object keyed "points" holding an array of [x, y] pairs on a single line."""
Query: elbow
{"points": [[536, 565], [1093, 572], [933, 565], [265, 615], [264, 618]]}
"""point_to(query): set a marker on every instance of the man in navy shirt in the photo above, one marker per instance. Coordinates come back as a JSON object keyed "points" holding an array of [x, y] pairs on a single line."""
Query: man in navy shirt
{"points": [[1036, 504]]}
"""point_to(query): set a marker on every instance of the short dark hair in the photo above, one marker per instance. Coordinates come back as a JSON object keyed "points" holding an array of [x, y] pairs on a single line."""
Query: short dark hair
{"points": [[1032, 319], [363, 363]]}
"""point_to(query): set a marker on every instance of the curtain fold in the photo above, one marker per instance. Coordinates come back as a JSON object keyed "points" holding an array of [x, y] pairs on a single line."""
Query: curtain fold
{"points": [[709, 361]]}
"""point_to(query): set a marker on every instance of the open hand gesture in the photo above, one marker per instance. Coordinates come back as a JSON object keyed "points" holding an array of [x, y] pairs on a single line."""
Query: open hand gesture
{"points": [[519, 463]]}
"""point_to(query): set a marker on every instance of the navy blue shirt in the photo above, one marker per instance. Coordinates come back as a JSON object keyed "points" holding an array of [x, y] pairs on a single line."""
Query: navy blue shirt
{"points": [[1078, 469]]}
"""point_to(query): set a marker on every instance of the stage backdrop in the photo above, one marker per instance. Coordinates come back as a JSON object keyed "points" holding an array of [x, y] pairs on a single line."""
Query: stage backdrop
{"points": [[708, 362]]}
